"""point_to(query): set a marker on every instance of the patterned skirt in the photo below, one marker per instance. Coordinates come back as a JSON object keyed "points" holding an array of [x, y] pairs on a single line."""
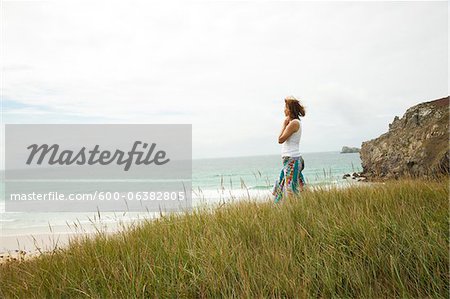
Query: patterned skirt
{"points": [[291, 179]]}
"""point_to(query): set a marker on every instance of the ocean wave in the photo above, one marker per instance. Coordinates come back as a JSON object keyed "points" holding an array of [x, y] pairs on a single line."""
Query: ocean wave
{"points": [[213, 195], [260, 187]]}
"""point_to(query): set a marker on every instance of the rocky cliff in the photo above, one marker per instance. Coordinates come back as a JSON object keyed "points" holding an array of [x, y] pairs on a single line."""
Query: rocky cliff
{"points": [[416, 144]]}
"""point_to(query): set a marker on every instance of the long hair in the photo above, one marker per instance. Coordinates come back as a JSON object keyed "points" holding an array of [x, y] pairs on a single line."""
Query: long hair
{"points": [[296, 110]]}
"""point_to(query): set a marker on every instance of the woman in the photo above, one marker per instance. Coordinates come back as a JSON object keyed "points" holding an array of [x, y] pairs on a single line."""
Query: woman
{"points": [[291, 179]]}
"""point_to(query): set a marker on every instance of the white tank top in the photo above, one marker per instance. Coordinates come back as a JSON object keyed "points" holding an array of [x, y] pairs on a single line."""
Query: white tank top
{"points": [[291, 147]]}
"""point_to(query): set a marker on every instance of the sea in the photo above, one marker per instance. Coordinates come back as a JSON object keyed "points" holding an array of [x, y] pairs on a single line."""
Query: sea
{"points": [[214, 181]]}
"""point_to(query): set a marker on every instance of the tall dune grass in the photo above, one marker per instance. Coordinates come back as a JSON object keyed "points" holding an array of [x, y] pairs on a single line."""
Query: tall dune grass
{"points": [[387, 240]]}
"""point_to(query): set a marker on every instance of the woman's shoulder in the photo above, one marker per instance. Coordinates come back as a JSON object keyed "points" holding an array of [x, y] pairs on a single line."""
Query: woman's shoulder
{"points": [[295, 124]]}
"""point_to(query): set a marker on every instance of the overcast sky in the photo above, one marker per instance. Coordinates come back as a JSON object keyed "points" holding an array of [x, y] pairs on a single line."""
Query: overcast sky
{"points": [[224, 67]]}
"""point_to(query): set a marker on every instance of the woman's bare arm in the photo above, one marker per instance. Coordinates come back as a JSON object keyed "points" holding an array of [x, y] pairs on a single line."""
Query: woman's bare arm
{"points": [[285, 123], [288, 130]]}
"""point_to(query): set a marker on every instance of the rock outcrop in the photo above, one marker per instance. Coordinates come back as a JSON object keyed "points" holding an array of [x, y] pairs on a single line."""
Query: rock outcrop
{"points": [[415, 145], [347, 150]]}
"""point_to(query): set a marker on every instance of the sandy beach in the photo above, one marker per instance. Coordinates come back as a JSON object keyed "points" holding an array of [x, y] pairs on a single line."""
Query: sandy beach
{"points": [[23, 245]]}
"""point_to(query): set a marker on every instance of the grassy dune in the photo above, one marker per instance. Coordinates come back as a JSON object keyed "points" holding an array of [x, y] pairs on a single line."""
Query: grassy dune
{"points": [[388, 240]]}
